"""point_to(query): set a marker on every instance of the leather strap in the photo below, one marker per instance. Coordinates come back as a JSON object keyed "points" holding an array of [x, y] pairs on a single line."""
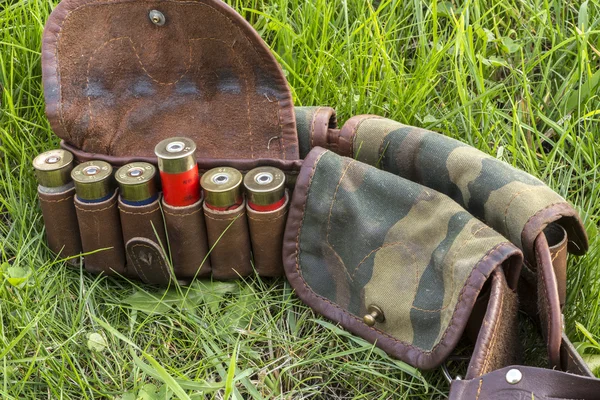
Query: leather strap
{"points": [[535, 383]]}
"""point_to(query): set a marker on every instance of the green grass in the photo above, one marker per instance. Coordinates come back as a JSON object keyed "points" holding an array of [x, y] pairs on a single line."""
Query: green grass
{"points": [[515, 78]]}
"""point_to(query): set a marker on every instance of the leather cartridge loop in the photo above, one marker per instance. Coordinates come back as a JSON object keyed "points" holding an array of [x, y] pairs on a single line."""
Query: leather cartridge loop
{"points": [[145, 222], [186, 230], [266, 234], [520, 382], [229, 242], [60, 219], [100, 228], [148, 261]]}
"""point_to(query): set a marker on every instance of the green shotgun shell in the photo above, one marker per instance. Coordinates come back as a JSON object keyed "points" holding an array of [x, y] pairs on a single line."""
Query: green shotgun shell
{"points": [[265, 185], [92, 180], [222, 187], [53, 168], [137, 181], [176, 155]]}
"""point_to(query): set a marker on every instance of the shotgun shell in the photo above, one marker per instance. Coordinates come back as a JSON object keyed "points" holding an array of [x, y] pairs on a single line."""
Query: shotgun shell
{"points": [[53, 168], [265, 188], [92, 181], [223, 188], [178, 171], [137, 184]]}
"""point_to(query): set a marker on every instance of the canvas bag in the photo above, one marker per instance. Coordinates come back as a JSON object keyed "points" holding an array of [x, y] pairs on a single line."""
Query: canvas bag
{"points": [[118, 85]]}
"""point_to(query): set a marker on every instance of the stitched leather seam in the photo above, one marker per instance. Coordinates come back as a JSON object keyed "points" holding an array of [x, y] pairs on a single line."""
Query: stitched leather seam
{"points": [[56, 201], [557, 254], [479, 389], [222, 219], [267, 220], [98, 210], [139, 213], [182, 215]]}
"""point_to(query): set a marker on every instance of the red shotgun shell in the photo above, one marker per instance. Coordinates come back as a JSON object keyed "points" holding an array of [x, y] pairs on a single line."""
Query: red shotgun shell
{"points": [[178, 171]]}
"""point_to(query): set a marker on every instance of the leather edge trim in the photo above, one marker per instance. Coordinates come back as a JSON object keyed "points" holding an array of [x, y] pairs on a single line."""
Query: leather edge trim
{"points": [[503, 253], [564, 215], [553, 327], [348, 133]]}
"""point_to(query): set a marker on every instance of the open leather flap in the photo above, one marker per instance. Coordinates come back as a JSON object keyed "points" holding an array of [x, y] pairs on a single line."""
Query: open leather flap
{"points": [[121, 75]]}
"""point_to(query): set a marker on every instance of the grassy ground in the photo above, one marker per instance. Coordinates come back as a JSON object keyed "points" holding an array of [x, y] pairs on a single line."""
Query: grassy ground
{"points": [[515, 78]]}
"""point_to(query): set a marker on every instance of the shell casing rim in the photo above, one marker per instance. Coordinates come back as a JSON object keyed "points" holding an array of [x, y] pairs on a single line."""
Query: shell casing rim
{"points": [[137, 190], [267, 194], [93, 189], [225, 195], [54, 175], [175, 163]]}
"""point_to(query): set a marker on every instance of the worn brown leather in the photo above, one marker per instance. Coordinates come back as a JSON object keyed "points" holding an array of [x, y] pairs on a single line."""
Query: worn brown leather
{"points": [[497, 344], [570, 359], [115, 83], [536, 383], [229, 242], [557, 242], [144, 222], [187, 240], [60, 219], [548, 301], [100, 228], [266, 235], [148, 261]]}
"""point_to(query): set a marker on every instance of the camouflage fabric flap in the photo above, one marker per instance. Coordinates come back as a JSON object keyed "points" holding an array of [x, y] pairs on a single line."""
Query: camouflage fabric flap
{"points": [[357, 236], [516, 204]]}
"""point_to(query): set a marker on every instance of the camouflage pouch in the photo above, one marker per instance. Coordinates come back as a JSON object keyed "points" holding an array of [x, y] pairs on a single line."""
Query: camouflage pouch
{"points": [[359, 238], [366, 247], [517, 205]]}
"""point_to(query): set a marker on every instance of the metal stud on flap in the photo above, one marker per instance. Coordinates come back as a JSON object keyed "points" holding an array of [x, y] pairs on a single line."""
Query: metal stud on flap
{"points": [[375, 314], [157, 17], [514, 376]]}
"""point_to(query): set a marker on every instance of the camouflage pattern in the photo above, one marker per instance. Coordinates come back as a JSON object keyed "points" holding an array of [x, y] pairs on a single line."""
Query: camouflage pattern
{"points": [[304, 119], [371, 237], [500, 195]]}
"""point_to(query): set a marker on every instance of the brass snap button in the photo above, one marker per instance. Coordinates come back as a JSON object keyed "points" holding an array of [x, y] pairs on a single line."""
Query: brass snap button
{"points": [[157, 17], [375, 314]]}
